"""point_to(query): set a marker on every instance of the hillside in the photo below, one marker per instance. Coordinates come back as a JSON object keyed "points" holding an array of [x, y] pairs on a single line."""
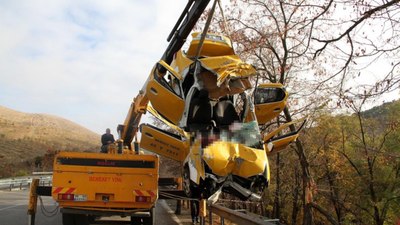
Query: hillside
{"points": [[384, 111], [26, 139]]}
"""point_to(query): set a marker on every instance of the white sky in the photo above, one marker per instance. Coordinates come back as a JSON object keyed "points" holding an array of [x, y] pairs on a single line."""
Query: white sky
{"points": [[81, 60]]}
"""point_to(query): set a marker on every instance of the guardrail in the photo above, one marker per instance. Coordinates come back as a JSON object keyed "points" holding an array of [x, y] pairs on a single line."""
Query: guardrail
{"points": [[20, 182], [239, 217]]}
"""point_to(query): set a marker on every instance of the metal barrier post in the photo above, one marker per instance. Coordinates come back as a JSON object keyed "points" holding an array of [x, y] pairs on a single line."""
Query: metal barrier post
{"points": [[178, 202], [210, 217]]}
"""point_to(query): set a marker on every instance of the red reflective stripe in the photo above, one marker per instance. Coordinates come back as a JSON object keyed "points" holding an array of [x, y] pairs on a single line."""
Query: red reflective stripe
{"points": [[152, 194], [57, 190], [138, 192], [69, 191]]}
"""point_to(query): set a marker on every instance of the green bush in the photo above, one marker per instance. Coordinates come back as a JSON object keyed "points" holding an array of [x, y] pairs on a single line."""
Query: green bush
{"points": [[21, 173]]}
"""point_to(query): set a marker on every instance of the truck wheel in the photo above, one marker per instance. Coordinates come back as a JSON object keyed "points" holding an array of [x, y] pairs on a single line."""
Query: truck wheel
{"points": [[150, 220], [144, 220], [74, 219], [91, 219], [136, 220], [81, 219], [68, 219]]}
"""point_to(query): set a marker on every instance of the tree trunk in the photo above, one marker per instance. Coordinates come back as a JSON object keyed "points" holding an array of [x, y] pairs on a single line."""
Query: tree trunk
{"points": [[307, 180], [307, 208], [296, 190], [276, 212], [328, 215]]}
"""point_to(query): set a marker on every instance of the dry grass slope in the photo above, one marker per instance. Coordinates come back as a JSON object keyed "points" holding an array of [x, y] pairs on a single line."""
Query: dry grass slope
{"points": [[26, 136]]}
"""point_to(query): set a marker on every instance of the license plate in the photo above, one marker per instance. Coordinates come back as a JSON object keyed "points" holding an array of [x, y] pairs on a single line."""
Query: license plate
{"points": [[80, 198]]}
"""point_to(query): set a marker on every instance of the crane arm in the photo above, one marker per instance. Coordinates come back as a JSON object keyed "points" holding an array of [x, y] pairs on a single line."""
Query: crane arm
{"points": [[128, 130], [183, 27]]}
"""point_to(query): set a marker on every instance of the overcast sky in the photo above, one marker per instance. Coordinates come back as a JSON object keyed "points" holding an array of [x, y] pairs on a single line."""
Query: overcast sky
{"points": [[81, 60]]}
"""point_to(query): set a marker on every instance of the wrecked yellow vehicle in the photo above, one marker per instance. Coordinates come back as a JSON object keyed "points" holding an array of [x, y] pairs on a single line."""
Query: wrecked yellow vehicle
{"points": [[210, 103]]}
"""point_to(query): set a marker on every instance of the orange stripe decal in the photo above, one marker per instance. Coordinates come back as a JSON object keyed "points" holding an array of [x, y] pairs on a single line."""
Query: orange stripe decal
{"points": [[70, 190], [61, 190], [57, 190], [152, 194], [138, 192], [145, 193]]}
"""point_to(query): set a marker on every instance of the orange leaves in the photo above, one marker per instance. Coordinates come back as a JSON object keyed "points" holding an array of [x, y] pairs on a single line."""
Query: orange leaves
{"points": [[311, 190]]}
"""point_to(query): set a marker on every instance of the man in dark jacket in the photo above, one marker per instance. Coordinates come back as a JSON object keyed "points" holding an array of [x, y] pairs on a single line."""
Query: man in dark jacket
{"points": [[106, 139]]}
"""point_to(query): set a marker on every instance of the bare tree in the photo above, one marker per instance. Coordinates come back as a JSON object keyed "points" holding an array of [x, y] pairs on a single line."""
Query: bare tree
{"points": [[363, 36]]}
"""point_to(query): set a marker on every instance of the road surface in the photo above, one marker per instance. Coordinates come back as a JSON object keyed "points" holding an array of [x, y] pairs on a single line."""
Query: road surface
{"points": [[13, 211]]}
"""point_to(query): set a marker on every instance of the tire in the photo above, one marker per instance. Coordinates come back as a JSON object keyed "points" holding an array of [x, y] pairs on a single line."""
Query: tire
{"points": [[144, 220], [68, 219], [91, 219], [136, 220], [81, 219], [150, 220], [75, 219]]}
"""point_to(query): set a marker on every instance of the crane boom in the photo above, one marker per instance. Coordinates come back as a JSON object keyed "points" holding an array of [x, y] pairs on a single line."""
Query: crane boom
{"points": [[176, 38], [183, 27]]}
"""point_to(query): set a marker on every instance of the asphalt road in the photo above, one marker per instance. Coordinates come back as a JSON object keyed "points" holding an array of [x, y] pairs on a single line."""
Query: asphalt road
{"points": [[13, 211]]}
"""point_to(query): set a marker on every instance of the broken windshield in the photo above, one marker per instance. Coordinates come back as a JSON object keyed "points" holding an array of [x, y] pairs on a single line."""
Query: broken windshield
{"points": [[245, 133]]}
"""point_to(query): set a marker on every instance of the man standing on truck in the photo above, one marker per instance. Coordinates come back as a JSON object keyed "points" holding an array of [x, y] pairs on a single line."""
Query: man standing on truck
{"points": [[106, 139]]}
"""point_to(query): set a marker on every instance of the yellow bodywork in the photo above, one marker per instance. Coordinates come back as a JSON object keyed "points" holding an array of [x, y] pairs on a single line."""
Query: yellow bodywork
{"points": [[226, 158], [281, 143], [274, 142], [265, 112], [196, 160], [162, 99], [163, 143], [173, 126], [181, 62], [214, 45], [227, 67], [105, 181], [225, 74]]}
